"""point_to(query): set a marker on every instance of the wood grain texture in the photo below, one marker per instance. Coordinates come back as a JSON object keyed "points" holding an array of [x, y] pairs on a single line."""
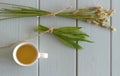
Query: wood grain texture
{"points": [[116, 39], [94, 59], [61, 61], [11, 31]]}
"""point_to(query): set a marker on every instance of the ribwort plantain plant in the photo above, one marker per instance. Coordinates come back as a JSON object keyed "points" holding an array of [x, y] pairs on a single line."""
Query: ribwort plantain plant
{"points": [[96, 15], [67, 35]]}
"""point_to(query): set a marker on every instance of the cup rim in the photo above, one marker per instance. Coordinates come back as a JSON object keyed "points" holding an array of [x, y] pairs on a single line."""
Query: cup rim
{"points": [[15, 51]]}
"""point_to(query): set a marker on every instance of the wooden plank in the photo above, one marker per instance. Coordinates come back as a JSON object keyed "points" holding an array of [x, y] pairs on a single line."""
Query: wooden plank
{"points": [[61, 61], [94, 59], [14, 30], [116, 39]]}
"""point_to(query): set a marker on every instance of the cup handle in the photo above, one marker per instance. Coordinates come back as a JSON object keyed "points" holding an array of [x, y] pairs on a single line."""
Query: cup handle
{"points": [[43, 55]]}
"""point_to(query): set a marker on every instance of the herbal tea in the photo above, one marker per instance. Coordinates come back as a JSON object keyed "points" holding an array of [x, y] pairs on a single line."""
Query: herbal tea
{"points": [[27, 54]]}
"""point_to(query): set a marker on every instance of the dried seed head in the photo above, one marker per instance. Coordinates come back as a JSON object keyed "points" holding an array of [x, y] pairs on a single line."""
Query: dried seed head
{"points": [[105, 14], [101, 14], [104, 20], [95, 22], [100, 10], [104, 26], [97, 7], [98, 14], [110, 12], [100, 7], [113, 28], [106, 11]]}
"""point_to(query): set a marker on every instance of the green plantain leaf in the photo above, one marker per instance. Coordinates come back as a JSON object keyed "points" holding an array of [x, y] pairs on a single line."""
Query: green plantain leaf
{"points": [[65, 29], [73, 32], [69, 43], [74, 37], [41, 28]]}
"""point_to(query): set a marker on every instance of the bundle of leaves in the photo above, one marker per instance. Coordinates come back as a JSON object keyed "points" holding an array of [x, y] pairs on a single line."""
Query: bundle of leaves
{"points": [[67, 35], [96, 15]]}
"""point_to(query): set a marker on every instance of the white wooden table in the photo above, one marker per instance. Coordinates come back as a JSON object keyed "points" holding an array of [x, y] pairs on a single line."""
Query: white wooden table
{"points": [[101, 58]]}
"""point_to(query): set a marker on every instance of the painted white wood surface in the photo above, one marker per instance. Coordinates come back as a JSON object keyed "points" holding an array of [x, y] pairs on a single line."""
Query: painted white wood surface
{"points": [[94, 59], [14, 30], [61, 61], [116, 39]]}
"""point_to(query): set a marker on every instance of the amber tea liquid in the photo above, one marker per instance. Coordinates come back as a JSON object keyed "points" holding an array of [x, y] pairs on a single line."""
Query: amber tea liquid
{"points": [[27, 54]]}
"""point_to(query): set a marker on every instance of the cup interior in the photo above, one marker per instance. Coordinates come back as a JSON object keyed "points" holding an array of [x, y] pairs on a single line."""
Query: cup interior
{"points": [[25, 54]]}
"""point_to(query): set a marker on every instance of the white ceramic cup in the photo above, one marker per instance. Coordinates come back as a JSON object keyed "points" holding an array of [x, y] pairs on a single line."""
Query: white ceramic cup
{"points": [[18, 45]]}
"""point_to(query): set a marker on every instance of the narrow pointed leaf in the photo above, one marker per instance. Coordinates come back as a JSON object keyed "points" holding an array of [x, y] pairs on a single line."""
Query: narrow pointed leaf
{"points": [[70, 43]]}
